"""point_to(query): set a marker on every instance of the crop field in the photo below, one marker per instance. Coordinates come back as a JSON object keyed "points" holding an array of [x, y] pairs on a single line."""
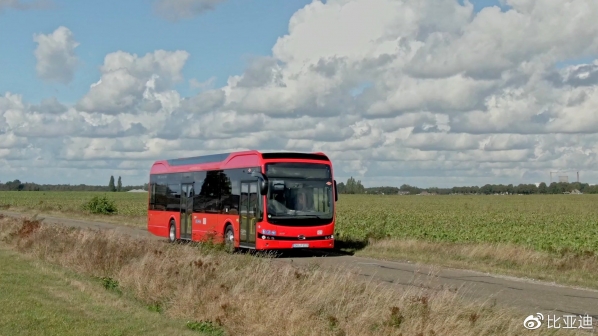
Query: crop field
{"points": [[548, 223], [129, 204]]}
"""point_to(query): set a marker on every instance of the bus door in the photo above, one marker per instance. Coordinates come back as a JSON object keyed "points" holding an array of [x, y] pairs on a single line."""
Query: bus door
{"points": [[248, 213], [186, 209]]}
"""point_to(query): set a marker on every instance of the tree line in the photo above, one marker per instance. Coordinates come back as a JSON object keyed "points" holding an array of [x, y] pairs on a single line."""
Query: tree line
{"points": [[17, 185], [352, 186], [355, 187]]}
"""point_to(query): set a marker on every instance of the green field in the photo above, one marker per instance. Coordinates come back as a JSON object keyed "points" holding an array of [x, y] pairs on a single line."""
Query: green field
{"points": [[42, 299], [129, 204], [551, 223]]}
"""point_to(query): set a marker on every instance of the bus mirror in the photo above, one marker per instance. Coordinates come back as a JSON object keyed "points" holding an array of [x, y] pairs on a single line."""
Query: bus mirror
{"points": [[263, 182], [263, 186], [335, 192]]}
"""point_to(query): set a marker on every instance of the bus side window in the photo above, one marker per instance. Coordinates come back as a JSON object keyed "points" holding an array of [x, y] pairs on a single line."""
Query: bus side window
{"points": [[160, 197]]}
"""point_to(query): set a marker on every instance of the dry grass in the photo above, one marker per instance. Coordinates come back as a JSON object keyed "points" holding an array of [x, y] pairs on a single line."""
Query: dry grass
{"points": [[126, 220], [245, 295], [567, 268]]}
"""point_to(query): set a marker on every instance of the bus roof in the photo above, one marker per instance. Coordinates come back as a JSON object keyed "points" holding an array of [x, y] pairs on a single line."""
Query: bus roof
{"points": [[229, 160]]}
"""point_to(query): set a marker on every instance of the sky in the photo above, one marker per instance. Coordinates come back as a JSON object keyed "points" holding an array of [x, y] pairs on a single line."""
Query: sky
{"points": [[423, 92]]}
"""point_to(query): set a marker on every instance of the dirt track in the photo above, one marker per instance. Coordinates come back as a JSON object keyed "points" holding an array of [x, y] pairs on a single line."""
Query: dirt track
{"points": [[530, 297]]}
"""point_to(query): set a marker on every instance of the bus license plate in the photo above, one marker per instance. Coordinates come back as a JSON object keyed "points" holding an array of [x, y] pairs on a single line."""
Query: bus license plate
{"points": [[300, 245]]}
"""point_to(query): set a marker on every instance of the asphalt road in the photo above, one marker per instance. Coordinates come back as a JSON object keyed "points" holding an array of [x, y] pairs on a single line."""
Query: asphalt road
{"points": [[527, 296]]}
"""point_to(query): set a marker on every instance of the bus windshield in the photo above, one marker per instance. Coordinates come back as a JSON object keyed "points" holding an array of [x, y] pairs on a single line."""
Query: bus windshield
{"points": [[299, 191]]}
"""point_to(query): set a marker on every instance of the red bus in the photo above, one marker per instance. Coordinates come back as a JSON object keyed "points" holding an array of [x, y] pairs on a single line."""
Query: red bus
{"points": [[248, 199]]}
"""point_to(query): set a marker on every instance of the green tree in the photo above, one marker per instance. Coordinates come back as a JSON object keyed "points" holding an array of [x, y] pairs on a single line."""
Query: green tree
{"points": [[119, 185], [487, 189], [341, 188], [111, 186], [354, 187], [15, 185], [350, 187], [410, 189]]}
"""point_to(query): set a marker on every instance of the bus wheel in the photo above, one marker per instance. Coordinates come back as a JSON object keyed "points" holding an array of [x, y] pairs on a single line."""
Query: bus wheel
{"points": [[229, 238], [172, 232]]}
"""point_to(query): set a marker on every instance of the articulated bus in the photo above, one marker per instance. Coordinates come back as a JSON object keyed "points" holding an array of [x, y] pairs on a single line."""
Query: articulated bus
{"points": [[249, 199]]}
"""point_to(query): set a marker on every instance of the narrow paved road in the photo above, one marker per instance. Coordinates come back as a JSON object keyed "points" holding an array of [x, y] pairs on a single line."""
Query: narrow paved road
{"points": [[529, 297]]}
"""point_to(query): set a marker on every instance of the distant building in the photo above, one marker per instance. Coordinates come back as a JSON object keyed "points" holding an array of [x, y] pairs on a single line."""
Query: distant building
{"points": [[137, 190], [425, 193]]}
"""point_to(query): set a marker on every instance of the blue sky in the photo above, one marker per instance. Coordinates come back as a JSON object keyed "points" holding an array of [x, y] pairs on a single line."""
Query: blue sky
{"points": [[219, 41]]}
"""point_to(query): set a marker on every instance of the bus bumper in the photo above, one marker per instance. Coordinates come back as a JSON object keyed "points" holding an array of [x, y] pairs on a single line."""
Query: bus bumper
{"points": [[267, 244]]}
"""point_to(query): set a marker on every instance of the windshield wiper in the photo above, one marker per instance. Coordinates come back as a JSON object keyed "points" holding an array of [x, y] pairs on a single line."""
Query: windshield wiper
{"points": [[316, 216], [296, 216]]}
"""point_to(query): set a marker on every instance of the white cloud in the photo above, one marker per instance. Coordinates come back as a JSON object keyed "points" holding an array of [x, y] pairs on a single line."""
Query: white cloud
{"points": [[419, 92], [183, 9], [130, 83], [25, 5], [55, 54]]}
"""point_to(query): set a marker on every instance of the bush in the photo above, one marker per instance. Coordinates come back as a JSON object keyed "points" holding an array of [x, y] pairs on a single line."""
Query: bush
{"points": [[206, 327], [100, 205]]}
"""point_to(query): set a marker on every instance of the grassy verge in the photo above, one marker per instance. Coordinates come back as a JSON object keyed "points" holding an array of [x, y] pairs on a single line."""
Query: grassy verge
{"points": [[131, 221], [566, 268], [244, 295], [41, 299]]}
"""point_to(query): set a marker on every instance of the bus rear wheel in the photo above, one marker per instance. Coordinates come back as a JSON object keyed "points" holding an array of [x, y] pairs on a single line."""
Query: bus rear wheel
{"points": [[229, 239], [172, 232]]}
